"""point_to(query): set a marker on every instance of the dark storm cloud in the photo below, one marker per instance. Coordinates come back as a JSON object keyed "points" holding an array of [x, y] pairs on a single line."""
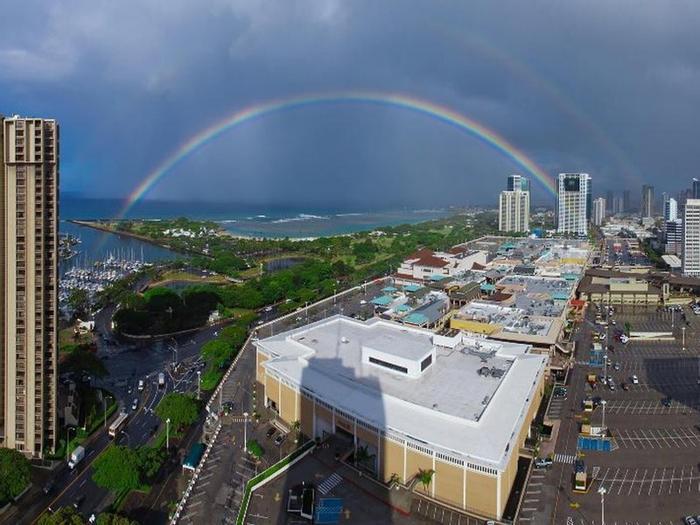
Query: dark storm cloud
{"points": [[612, 88]]}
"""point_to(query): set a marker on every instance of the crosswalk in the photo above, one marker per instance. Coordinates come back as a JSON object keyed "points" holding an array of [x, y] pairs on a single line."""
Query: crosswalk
{"points": [[565, 458], [329, 483]]}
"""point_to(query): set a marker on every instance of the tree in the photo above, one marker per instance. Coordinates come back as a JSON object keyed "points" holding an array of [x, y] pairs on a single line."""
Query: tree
{"points": [[217, 352], [107, 518], [254, 448], [117, 469], [425, 476], [63, 516], [79, 301], [179, 408], [82, 359], [150, 460], [14, 474]]}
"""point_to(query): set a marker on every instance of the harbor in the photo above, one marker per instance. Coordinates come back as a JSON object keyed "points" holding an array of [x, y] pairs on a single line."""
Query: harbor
{"points": [[92, 260]]}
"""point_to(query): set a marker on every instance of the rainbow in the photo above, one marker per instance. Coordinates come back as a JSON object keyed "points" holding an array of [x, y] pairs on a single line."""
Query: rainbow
{"points": [[394, 100]]}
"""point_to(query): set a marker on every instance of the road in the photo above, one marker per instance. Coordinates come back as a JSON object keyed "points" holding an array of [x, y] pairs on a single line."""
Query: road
{"points": [[126, 364]]}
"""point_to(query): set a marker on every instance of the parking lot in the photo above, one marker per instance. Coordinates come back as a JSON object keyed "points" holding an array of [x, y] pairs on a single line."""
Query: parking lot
{"points": [[647, 439], [652, 473]]}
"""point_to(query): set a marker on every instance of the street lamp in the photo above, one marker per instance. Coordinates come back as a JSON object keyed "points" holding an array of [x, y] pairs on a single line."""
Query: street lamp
{"points": [[602, 492], [104, 407], [683, 332], [68, 429], [603, 402], [245, 430], [167, 434], [174, 349], [199, 383]]}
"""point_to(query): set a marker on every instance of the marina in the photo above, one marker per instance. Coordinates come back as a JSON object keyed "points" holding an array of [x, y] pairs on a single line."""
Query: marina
{"points": [[92, 260]]}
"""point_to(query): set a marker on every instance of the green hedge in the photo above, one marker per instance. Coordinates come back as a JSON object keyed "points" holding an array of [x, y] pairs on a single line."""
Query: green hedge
{"points": [[243, 509]]}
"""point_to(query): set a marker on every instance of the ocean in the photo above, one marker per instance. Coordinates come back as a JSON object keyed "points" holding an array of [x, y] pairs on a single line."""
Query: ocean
{"points": [[255, 221]]}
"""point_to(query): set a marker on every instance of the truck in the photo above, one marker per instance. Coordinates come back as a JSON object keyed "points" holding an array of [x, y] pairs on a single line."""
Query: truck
{"points": [[76, 456]]}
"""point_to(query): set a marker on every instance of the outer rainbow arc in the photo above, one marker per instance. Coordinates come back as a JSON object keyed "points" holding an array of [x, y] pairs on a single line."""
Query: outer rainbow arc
{"points": [[436, 111]]}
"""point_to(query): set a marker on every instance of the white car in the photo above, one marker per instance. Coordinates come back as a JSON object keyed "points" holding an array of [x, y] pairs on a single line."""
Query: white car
{"points": [[635, 380]]}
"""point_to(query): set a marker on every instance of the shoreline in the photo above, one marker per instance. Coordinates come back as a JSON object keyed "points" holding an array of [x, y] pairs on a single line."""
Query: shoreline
{"points": [[96, 225]]}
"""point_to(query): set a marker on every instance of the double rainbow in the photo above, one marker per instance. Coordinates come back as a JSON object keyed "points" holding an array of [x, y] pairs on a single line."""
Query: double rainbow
{"points": [[393, 100]]}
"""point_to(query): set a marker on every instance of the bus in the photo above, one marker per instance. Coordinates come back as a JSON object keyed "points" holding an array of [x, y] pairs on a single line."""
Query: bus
{"points": [[118, 424]]}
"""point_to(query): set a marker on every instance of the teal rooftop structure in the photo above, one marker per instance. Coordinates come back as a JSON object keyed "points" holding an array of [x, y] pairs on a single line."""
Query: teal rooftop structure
{"points": [[382, 300], [194, 456]]}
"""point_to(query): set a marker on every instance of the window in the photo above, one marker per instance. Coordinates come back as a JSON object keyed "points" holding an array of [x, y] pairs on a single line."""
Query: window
{"points": [[391, 366], [426, 362]]}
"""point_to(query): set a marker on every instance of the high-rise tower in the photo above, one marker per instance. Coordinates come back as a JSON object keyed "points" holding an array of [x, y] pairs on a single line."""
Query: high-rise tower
{"points": [[28, 267]]}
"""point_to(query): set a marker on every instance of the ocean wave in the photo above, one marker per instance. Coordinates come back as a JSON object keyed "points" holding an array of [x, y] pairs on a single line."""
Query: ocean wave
{"points": [[349, 214], [253, 217], [301, 217], [228, 221]]}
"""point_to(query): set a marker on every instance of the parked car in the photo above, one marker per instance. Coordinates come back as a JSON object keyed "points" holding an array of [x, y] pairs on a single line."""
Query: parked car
{"points": [[542, 463], [135, 404], [280, 439], [690, 520], [635, 380], [666, 402], [270, 432], [624, 386], [616, 366], [79, 501]]}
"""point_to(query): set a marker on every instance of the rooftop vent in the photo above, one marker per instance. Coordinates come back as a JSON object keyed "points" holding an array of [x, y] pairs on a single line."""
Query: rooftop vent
{"points": [[344, 340]]}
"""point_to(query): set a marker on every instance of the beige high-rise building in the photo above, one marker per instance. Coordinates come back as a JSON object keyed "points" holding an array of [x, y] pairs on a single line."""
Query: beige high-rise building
{"points": [[29, 284], [514, 211]]}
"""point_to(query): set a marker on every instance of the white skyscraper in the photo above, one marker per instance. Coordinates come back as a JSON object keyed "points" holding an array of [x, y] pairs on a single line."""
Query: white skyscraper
{"points": [[691, 238], [573, 203], [670, 209], [514, 211], [599, 211]]}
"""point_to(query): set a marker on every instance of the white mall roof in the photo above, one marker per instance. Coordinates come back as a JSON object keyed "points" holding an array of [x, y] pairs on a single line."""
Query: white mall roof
{"points": [[450, 406]]}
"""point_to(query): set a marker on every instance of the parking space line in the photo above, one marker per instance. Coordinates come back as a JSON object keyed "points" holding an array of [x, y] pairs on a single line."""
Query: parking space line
{"points": [[673, 475], [653, 478], [641, 483]]}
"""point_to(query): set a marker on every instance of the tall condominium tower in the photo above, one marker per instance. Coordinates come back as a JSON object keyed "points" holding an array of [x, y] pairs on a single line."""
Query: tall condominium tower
{"points": [[691, 238], [599, 211], [670, 209], [573, 203], [514, 206], [518, 182], [695, 189], [626, 204], [28, 266], [647, 201], [609, 196]]}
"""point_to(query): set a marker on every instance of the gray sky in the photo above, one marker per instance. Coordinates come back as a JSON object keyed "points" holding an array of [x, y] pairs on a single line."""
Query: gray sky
{"points": [[610, 88]]}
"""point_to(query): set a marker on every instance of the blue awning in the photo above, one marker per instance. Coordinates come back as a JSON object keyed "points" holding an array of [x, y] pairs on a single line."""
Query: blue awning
{"points": [[416, 318], [389, 289], [412, 288], [382, 300], [194, 456]]}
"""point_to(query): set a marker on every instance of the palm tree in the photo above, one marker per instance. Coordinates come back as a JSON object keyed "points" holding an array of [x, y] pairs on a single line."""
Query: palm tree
{"points": [[425, 476], [296, 428]]}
